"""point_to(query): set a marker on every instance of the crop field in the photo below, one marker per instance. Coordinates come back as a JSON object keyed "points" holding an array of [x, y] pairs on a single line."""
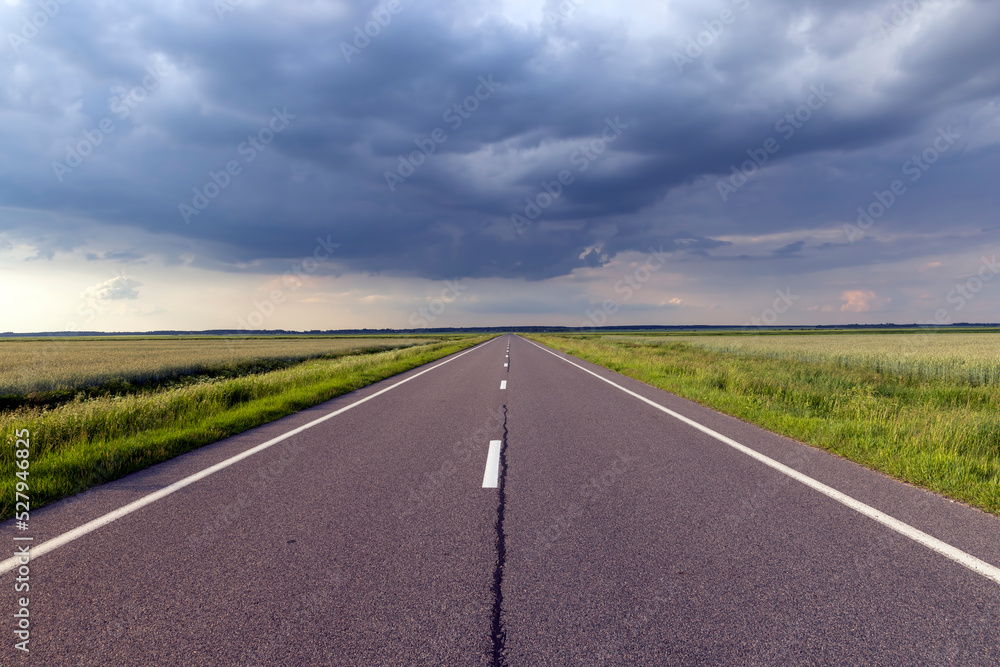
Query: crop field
{"points": [[157, 398], [924, 408], [963, 357], [44, 365]]}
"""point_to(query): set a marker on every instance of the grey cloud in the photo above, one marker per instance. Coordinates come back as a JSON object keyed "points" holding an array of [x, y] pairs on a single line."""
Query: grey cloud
{"points": [[325, 173]]}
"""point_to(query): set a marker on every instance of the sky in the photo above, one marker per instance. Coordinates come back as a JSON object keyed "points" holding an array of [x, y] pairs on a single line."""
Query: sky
{"points": [[407, 163]]}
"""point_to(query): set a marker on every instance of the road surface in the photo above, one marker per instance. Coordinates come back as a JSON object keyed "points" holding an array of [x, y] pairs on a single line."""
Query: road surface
{"points": [[507, 505]]}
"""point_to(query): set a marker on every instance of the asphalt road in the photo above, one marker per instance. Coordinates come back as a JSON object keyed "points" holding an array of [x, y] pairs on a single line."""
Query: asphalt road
{"points": [[605, 532]]}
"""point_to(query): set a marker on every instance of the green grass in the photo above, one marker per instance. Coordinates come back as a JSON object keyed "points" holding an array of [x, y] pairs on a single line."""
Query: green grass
{"points": [[37, 368], [941, 432], [89, 441], [973, 358]]}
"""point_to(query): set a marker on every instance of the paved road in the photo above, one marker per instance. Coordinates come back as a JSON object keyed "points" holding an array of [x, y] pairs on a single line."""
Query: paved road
{"points": [[608, 533]]}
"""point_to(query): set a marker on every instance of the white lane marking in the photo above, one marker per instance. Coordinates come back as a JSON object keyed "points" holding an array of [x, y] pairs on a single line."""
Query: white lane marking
{"points": [[948, 551], [90, 526], [492, 473], [503, 384]]}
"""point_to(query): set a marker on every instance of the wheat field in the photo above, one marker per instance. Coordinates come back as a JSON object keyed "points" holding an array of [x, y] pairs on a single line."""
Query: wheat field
{"points": [[973, 358], [41, 365]]}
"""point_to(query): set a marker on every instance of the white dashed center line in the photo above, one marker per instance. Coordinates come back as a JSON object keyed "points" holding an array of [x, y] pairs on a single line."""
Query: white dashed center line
{"points": [[492, 473]]}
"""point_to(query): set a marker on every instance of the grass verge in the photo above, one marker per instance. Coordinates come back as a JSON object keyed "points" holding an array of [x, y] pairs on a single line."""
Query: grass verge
{"points": [[91, 441], [943, 435]]}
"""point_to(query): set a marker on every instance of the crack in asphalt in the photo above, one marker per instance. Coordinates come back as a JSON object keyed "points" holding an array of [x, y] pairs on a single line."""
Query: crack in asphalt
{"points": [[498, 633]]}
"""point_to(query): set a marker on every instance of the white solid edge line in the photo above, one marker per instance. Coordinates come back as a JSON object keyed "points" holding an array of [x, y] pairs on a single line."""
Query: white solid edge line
{"points": [[962, 558], [56, 542], [492, 473], [503, 384]]}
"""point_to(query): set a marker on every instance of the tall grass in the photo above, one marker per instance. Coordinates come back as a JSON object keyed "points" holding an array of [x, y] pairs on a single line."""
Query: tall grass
{"points": [[90, 441], [941, 433], [966, 357], [46, 365]]}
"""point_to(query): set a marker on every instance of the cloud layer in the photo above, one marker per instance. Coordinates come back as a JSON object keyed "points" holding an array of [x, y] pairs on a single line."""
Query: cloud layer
{"points": [[751, 140]]}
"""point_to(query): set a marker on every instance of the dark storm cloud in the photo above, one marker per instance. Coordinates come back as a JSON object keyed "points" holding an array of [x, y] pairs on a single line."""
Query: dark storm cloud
{"points": [[506, 110]]}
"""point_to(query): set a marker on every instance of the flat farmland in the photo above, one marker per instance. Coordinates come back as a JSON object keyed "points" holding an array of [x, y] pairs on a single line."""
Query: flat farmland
{"points": [[963, 357], [44, 365]]}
